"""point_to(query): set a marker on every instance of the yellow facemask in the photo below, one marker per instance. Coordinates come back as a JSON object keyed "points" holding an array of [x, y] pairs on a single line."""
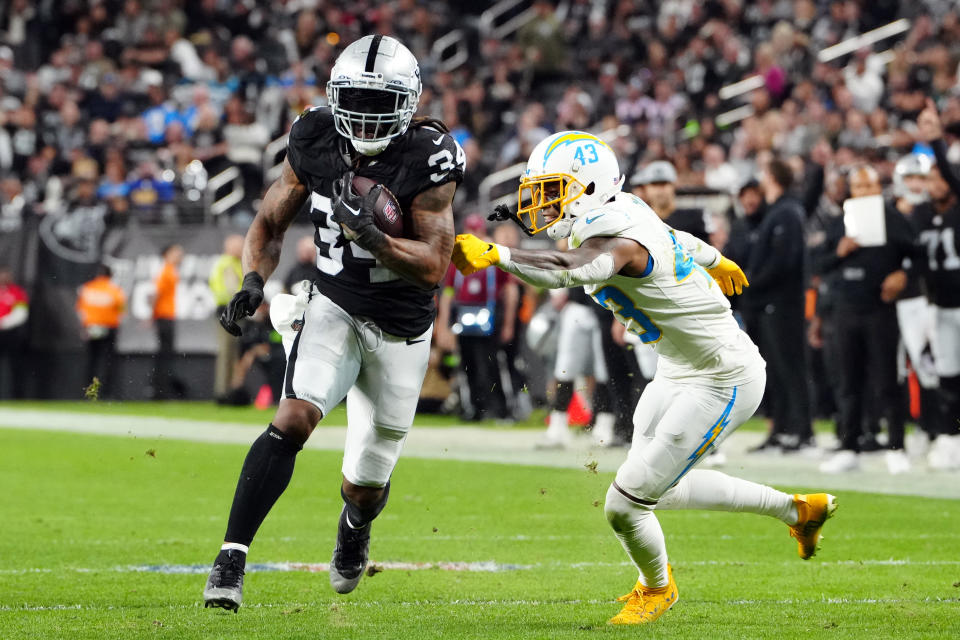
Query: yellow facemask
{"points": [[538, 194]]}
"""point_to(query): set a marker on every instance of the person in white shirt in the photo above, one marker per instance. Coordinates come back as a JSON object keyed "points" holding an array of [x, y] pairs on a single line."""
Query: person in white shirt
{"points": [[664, 286]]}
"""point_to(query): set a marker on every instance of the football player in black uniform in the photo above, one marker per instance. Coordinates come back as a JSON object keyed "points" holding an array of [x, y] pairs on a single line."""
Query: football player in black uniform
{"points": [[939, 226], [365, 332]]}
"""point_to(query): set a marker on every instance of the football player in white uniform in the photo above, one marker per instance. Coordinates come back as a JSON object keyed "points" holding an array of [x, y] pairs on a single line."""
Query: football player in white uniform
{"points": [[662, 285]]}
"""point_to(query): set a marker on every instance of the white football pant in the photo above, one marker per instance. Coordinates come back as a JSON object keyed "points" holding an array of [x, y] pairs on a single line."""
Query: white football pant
{"points": [[675, 426], [335, 355]]}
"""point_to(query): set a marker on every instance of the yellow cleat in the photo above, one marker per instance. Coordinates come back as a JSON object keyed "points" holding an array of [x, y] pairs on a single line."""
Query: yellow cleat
{"points": [[646, 605], [814, 510]]}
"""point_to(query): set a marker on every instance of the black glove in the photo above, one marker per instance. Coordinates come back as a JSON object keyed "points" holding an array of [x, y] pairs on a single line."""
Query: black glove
{"points": [[244, 303], [354, 213]]}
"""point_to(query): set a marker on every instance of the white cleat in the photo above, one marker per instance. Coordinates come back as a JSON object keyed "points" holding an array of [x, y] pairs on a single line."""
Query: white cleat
{"points": [[944, 454], [897, 462], [841, 462]]}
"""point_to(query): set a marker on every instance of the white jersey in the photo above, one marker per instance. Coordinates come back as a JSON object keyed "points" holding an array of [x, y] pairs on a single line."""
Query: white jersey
{"points": [[675, 307]]}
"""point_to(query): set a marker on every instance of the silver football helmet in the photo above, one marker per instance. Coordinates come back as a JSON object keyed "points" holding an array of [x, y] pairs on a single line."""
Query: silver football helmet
{"points": [[905, 172], [374, 90]]}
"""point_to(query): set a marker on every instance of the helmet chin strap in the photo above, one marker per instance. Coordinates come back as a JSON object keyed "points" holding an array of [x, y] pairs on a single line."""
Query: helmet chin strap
{"points": [[370, 148], [560, 229]]}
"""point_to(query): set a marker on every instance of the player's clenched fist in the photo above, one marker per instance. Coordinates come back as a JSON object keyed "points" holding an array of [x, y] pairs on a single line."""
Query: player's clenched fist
{"points": [[244, 303], [471, 254], [729, 276]]}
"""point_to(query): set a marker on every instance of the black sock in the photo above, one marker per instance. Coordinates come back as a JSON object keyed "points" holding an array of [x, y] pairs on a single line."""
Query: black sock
{"points": [[359, 517], [265, 474]]}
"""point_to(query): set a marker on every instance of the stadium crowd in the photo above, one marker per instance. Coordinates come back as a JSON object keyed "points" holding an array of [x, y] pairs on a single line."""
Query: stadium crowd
{"points": [[126, 108]]}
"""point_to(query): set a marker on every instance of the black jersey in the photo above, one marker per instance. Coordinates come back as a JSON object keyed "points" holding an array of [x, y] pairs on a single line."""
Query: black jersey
{"points": [[350, 276], [939, 235]]}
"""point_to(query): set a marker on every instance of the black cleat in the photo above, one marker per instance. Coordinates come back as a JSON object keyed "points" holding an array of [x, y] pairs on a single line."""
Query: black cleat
{"points": [[349, 556], [225, 585]]}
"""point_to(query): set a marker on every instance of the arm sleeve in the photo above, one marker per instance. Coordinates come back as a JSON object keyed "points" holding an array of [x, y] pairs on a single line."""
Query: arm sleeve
{"points": [[946, 170], [701, 252], [597, 270]]}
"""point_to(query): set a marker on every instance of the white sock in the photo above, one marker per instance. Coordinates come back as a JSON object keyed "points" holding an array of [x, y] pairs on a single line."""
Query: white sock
{"points": [[228, 546], [716, 491], [639, 532], [557, 429], [603, 427]]}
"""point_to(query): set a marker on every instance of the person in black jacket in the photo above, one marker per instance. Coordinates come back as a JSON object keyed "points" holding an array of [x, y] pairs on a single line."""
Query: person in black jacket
{"points": [[865, 282], [773, 307]]}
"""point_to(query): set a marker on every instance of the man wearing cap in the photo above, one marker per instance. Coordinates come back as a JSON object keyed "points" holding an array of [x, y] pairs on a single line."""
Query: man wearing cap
{"points": [[656, 183]]}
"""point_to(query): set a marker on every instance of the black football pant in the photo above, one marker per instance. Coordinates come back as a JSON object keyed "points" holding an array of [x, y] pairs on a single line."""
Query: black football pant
{"points": [[866, 345], [164, 382], [100, 361], [782, 342], [478, 357]]}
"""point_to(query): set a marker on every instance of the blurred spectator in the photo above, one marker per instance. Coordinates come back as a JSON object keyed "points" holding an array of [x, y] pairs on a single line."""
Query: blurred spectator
{"points": [[718, 174], [166, 385], [14, 311], [656, 183], [12, 204], [225, 278], [101, 305], [245, 140], [865, 282], [773, 306], [480, 310]]}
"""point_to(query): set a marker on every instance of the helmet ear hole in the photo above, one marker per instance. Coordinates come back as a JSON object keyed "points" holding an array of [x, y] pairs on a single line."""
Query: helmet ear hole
{"points": [[590, 188]]}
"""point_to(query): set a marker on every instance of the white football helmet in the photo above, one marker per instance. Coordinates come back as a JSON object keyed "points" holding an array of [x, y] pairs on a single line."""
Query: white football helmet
{"points": [[572, 172], [907, 167], [373, 91]]}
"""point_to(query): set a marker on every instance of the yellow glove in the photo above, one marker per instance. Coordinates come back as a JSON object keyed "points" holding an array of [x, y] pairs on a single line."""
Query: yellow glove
{"points": [[471, 254], [729, 276]]}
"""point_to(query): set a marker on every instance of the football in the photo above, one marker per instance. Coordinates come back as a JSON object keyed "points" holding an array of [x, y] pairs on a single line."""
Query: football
{"points": [[387, 212]]}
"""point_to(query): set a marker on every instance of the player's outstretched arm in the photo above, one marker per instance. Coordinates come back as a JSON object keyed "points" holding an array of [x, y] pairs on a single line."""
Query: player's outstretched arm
{"points": [[596, 260], [261, 248], [424, 258]]}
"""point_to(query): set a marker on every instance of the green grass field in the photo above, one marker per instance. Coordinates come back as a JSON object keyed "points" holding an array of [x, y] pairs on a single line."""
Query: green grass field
{"points": [[83, 516]]}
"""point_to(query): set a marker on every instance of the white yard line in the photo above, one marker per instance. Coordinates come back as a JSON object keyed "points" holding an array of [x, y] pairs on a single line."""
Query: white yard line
{"points": [[378, 604], [487, 566], [511, 447]]}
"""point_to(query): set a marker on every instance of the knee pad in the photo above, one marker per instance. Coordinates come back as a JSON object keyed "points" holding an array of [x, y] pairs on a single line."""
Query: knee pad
{"points": [[623, 510], [563, 396]]}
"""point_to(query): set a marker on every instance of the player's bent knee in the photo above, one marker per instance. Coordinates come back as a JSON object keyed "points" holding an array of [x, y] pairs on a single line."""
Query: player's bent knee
{"points": [[297, 419], [623, 510], [394, 434]]}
